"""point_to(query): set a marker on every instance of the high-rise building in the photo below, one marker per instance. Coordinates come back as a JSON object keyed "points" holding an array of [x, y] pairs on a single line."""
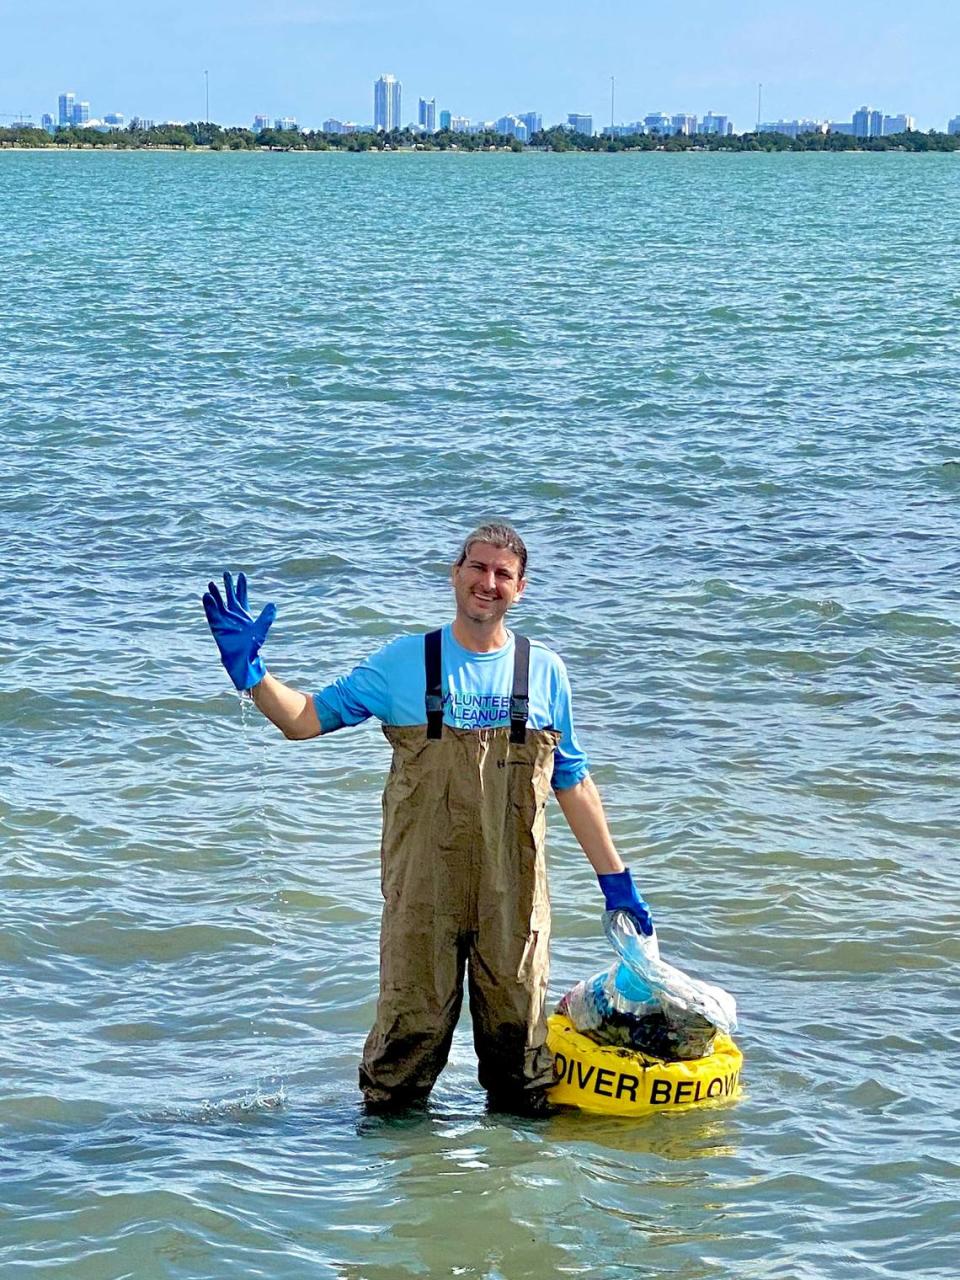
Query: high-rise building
{"points": [[684, 124], [65, 105], [714, 124], [386, 104], [333, 126], [533, 120], [285, 124], [658, 122], [513, 127], [46, 122], [113, 119], [445, 119], [898, 124], [580, 124], [81, 113], [260, 123], [794, 128], [867, 123], [954, 125], [427, 115], [459, 124]]}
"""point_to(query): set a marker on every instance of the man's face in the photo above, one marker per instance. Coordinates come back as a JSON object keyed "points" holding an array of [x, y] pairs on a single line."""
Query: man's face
{"points": [[487, 583]]}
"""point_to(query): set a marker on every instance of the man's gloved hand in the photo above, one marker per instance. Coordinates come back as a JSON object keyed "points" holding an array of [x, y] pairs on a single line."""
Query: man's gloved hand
{"points": [[237, 634], [620, 894]]}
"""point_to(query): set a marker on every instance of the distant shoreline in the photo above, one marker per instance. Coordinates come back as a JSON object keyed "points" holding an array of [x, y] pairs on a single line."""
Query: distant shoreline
{"points": [[172, 149], [213, 137]]}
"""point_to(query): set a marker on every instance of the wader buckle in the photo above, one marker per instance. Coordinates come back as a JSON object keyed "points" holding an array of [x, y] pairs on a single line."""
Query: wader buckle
{"points": [[519, 714]]}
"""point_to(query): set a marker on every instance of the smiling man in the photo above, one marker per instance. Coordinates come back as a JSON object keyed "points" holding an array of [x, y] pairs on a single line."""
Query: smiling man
{"points": [[480, 723]]}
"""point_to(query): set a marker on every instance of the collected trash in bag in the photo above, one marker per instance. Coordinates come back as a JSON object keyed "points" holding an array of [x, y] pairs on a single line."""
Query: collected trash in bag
{"points": [[645, 1004]]}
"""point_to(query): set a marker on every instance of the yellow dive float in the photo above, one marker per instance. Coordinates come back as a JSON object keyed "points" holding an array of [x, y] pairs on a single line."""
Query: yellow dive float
{"points": [[625, 1082]]}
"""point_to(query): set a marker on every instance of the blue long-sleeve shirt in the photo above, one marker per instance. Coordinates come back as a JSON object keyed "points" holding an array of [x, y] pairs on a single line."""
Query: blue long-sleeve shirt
{"points": [[391, 685]]}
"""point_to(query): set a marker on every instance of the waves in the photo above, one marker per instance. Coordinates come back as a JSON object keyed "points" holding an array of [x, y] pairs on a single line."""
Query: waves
{"points": [[723, 418]]}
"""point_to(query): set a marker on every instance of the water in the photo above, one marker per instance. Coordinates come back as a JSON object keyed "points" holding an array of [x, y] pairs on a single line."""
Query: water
{"points": [[718, 395]]}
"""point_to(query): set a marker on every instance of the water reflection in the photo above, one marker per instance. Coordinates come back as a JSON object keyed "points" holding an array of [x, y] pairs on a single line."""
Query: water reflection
{"points": [[467, 1193], [679, 1137]]}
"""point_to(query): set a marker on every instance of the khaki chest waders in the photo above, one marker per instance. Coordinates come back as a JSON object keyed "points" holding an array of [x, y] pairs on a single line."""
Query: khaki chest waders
{"points": [[464, 885]]}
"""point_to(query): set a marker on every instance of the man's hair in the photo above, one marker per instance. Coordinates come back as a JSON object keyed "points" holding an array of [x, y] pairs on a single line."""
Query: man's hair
{"points": [[498, 535]]}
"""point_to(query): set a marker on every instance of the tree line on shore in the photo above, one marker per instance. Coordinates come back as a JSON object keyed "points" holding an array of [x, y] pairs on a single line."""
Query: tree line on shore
{"points": [[137, 136]]}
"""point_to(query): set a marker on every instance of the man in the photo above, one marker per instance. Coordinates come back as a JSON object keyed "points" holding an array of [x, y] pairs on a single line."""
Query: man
{"points": [[480, 724]]}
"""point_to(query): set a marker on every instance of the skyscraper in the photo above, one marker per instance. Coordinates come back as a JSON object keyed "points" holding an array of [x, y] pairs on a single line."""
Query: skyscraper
{"points": [[445, 118], [65, 105], [427, 115], [581, 124], [898, 124], [513, 127], [713, 124], [260, 123], [684, 124], [867, 123], [81, 113], [386, 103], [954, 125], [533, 120], [658, 122], [794, 128]]}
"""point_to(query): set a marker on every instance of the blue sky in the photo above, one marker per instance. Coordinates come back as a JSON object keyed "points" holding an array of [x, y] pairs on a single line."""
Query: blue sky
{"points": [[316, 58]]}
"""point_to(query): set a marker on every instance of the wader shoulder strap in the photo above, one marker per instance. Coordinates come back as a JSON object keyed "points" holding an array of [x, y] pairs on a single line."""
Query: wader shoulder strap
{"points": [[433, 664], [519, 698]]}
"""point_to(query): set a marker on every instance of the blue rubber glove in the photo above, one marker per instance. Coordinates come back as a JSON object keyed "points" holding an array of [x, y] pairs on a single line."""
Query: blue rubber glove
{"points": [[620, 894], [237, 634]]}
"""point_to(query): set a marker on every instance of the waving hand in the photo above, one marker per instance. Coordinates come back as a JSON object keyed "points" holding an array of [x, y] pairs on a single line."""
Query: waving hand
{"points": [[238, 635]]}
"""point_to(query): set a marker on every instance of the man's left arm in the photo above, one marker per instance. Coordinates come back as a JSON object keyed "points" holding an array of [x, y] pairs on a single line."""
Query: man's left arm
{"points": [[583, 810], [582, 807]]}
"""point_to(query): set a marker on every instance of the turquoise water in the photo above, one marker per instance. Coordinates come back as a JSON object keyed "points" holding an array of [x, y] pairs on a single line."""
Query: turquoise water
{"points": [[718, 394]]}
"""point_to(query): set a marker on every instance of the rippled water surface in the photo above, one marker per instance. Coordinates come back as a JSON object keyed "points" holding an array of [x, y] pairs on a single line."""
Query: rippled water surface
{"points": [[719, 395]]}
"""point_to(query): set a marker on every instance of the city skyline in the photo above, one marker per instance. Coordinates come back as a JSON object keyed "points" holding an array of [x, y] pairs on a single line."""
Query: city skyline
{"points": [[388, 114], [309, 59], [865, 122]]}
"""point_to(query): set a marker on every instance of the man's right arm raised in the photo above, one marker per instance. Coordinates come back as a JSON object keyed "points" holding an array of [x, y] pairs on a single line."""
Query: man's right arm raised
{"points": [[293, 712], [239, 637]]}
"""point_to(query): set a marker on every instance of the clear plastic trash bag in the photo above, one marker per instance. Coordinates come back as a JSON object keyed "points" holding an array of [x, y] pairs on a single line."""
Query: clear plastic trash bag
{"points": [[643, 1003]]}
